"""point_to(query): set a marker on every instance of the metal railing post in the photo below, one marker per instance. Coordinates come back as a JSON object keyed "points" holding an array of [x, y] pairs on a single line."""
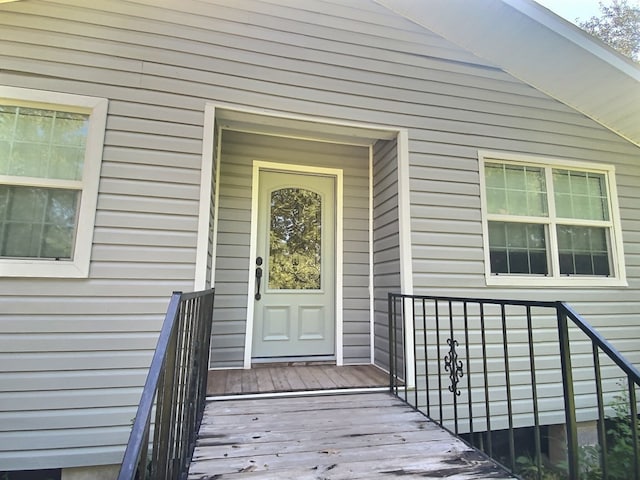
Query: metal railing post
{"points": [[392, 343], [569, 398]]}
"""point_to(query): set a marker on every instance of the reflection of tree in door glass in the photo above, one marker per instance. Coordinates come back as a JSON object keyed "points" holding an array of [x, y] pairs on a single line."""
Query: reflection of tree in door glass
{"points": [[295, 240]]}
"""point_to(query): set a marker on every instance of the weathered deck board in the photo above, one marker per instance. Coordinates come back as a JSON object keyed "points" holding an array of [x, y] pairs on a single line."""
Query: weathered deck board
{"points": [[270, 379], [348, 436]]}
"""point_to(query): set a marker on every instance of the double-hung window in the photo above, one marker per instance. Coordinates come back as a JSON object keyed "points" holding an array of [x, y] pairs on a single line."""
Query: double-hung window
{"points": [[50, 155], [549, 222]]}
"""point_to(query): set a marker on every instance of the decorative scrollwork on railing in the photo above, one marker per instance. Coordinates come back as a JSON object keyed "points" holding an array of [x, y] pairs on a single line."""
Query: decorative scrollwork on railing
{"points": [[453, 366]]}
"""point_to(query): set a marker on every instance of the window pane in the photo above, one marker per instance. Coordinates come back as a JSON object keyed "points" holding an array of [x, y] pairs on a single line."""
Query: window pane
{"points": [[37, 222], [583, 250], [57, 241], [515, 190], [516, 177], [295, 240], [66, 163], [496, 200], [42, 143], [7, 122], [29, 160], [497, 234], [517, 248], [33, 125], [581, 195], [5, 151], [494, 175], [70, 129], [20, 240]]}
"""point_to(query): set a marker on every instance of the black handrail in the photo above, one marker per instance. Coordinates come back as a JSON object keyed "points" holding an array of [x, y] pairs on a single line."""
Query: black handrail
{"points": [[476, 369], [176, 384]]}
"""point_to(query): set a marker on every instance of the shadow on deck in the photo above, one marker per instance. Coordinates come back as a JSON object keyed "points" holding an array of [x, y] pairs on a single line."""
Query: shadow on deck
{"points": [[300, 378], [337, 436]]}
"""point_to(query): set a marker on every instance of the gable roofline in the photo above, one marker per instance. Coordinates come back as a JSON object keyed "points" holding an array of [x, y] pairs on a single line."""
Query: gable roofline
{"points": [[540, 48]]}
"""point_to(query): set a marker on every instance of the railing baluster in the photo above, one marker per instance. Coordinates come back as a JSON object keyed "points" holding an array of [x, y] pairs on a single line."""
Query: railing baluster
{"points": [[633, 403], [468, 359], [569, 398], [180, 393], [426, 356], [188, 415], [487, 404], [505, 346], [437, 313], [392, 341], [534, 393], [402, 356], [602, 431], [143, 471], [454, 361], [164, 447], [415, 351]]}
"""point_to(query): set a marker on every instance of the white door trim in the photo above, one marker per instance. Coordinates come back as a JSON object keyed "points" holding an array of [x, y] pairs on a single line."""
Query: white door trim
{"points": [[283, 167]]}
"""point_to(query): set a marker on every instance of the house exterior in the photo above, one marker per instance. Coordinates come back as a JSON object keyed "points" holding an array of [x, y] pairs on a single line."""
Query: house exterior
{"points": [[443, 147]]}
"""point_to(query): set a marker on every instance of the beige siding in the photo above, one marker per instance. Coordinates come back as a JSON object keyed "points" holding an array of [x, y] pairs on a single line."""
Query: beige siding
{"points": [[239, 150], [158, 65]]}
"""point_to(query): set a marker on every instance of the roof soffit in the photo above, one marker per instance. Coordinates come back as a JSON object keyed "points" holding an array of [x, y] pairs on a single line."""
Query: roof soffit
{"points": [[538, 47]]}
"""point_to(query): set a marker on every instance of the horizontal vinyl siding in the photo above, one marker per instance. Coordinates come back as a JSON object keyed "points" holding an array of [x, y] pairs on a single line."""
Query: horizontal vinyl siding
{"points": [[158, 65], [239, 150], [386, 242], [75, 353], [449, 260]]}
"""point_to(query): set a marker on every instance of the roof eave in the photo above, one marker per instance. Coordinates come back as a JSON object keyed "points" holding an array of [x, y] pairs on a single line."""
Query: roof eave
{"points": [[540, 48]]}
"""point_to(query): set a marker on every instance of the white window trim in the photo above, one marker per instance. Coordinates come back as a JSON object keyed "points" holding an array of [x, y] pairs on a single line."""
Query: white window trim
{"points": [[554, 279], [97, 108]]}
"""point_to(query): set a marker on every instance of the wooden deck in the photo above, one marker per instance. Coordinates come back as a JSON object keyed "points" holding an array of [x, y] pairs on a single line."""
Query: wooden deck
{"points": [[273, 379], [323, 437]]}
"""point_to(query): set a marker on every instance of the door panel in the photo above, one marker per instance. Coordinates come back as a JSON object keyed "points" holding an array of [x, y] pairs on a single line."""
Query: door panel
{"points": [[295, 310], [276, 324]]}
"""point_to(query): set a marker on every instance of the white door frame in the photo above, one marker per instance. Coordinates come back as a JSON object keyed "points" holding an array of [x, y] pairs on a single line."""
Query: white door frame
{"points": [[336, 173], [343, 131]]}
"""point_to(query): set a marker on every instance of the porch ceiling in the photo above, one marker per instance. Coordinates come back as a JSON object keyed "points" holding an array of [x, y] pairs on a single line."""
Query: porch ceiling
{"points": [[294, 126]]}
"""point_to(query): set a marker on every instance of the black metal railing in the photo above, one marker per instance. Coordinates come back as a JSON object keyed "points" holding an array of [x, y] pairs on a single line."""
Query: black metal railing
{"points": [[176, 385], [518, 380]]}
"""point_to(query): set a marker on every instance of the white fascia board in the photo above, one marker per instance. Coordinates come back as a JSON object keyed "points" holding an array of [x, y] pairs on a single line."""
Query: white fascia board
{"points": [[541, 49]]}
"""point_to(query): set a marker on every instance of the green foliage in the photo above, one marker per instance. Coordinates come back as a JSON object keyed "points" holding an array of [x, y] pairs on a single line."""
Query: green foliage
{"points": [[295, 239], [588, 463], [620, 451], [528, 468], [618, 26]]}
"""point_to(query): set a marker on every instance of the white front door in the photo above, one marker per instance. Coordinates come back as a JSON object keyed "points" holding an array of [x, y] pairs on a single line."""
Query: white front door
{"points": [[295, 266]]}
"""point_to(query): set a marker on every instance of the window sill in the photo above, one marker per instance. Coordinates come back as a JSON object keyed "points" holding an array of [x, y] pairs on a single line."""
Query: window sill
{"points": [[542, 281], [44, 268]]}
